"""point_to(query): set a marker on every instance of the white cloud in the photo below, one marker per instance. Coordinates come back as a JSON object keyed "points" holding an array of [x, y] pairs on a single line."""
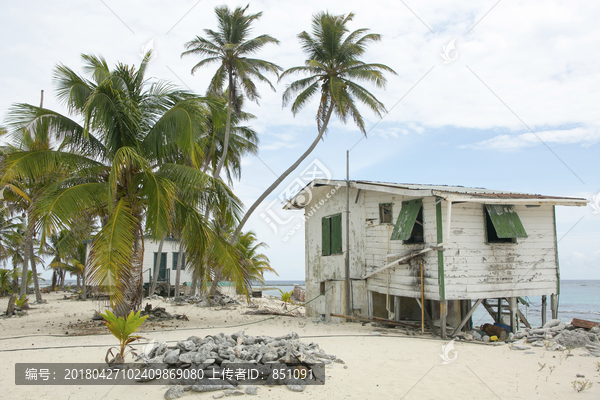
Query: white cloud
{"points": [[505, 142]]}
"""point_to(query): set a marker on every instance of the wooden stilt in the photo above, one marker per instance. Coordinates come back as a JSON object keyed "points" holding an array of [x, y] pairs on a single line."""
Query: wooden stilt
{"points": [[427, 317], [543, 310], [443, 313], [499, 315], [554, 305], [422, 298], [514, 315], [467, 317]]}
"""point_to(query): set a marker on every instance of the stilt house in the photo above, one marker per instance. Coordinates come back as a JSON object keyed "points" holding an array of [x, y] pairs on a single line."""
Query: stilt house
{"points": [[426, 252]]}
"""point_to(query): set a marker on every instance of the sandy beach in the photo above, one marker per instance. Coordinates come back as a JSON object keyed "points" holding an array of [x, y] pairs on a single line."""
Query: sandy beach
{"points": [[381, 363]]}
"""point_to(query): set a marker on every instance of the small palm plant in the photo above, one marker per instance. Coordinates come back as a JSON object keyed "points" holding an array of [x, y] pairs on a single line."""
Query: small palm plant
{"points": [[286, 297], [22, 303], [122, 329]]}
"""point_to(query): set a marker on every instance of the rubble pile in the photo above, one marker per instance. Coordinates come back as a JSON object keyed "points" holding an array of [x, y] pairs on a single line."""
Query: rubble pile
{"points": [[160, 314], [215, 352]]}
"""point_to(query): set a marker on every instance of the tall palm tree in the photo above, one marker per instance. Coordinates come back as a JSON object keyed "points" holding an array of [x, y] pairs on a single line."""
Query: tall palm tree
{"points": [[333, 66], [230, 47], [125, 169]]}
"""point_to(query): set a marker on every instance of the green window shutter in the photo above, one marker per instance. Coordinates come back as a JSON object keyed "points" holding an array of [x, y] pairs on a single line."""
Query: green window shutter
{"points": [[326, 235], [336, 234], [506, 221], [175, 258], [406, 219]]}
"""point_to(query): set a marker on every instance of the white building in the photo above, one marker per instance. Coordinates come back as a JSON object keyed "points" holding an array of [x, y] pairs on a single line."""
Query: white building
{"points": [[168, 265], [471, 244]]}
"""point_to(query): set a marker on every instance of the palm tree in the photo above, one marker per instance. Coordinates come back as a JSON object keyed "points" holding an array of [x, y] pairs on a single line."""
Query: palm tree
{"points": [[124, 161], [257, 263], [230, 46], [333, 65]]}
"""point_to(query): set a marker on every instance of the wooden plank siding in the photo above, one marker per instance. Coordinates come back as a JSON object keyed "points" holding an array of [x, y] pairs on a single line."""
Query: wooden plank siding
{"points": [[404, 279], [476, 269]]}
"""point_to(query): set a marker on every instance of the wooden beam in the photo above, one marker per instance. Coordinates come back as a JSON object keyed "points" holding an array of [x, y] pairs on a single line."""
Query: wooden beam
{"points": [[554, 305], [397, 262], [467, 317], [543, 310], [523, 319], [582, 323], [514, 315], [376, 319]]}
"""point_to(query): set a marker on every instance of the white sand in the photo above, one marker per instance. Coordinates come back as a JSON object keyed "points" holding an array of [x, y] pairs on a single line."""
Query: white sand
{"points": [[387, 365]]}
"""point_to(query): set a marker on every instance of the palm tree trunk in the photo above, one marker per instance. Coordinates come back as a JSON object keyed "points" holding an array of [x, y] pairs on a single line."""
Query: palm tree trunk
{"points": [[156, 267], [194, 284], [282, 177], [36, 283], [218, 274], [178, 272], [227, 127], [15, 282], [28, 239]]}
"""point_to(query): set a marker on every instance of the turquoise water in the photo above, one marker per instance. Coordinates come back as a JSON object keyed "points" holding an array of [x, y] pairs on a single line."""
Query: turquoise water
{"points": [[578, 299]]}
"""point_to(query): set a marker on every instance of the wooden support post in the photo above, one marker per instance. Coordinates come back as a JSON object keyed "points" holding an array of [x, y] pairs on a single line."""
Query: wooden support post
{"points": [[554, 305], [499, 315], [514, 315], [427, 317], [397, 308], [543, 310], [443, 313], [467, 317], [422, 299]]}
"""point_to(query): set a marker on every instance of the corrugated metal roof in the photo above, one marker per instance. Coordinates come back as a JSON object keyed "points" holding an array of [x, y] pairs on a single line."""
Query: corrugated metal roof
{"points": [[457, 193]]}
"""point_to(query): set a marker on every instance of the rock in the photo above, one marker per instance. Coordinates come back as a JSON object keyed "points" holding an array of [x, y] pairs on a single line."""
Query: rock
{"points": [[236, 393], [174, 392], [218, 395], [519, 347], [574, 339], [211, 388], [551, 323], [187, 357], [172, 356], [580, 376], [595, 330], [188, 345], [296, 388], [251, 390], [467, 337], [538, 343]]}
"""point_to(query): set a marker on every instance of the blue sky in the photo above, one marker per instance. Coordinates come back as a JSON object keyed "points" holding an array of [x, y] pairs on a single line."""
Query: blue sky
{"points": [[518, 67]]}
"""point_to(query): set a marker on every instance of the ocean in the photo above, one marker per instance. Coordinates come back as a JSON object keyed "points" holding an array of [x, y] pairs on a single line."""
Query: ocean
{"points": [[578, 299]]}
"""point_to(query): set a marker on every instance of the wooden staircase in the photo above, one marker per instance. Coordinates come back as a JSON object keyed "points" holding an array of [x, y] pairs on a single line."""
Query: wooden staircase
{"points": [[496, 307]]}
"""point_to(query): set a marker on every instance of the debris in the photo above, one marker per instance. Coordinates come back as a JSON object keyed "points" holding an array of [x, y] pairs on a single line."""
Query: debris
{"points": [[582, 323], [296, 388], [493, 330]]}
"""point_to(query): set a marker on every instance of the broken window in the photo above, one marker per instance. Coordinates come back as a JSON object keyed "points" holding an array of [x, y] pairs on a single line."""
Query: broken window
{"points": [[409, 225], [332, 234], [502, 224], [385, 213]]}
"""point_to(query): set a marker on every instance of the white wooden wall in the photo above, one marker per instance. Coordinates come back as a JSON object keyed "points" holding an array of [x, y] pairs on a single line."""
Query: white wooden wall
{"points": [[403, 280], [150, 247], [474, 269]]}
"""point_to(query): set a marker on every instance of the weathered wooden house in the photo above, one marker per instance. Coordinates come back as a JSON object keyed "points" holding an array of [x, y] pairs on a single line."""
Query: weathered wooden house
{"points": [[448, 248]]}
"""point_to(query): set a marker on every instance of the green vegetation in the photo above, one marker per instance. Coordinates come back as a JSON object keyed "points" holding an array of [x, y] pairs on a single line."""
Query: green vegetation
{"points": [[134, 157], [122, 329], [286, 297]]}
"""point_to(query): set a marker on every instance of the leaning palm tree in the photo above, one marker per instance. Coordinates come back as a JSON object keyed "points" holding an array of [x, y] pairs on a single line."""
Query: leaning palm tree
{"points": [[333, 66], [125, 169], [230, 47]]}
